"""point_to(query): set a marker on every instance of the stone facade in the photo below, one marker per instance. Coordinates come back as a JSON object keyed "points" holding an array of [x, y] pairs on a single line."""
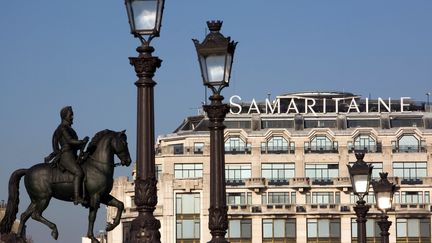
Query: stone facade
{"points": [[287, 179]]}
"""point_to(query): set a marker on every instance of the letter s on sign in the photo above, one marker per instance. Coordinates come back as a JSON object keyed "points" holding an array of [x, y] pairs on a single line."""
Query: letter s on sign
{"points": [[233, 104]]}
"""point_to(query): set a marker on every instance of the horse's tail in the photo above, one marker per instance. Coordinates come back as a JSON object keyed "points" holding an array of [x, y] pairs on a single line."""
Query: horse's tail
{"points": [[13, 201]]}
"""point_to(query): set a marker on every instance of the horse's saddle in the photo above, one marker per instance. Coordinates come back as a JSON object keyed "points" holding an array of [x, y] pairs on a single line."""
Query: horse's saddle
{"points": [[60, 175]]}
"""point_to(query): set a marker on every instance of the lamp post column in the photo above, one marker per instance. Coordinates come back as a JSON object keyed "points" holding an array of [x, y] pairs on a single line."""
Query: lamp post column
{"points": [[384, 225], [145, 228], [218, 211], [361, 210]]}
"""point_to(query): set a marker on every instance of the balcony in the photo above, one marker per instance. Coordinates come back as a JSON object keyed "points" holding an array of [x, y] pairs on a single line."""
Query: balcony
{"points": [[235, 182], [239, 209], [369, 149], [413, 207], [301, 183], [342, 182], [411, 181], [278, 150], [278, 182], [179, 151], [256, 184], [322, 181], [323, 208], [409, 149], [279, 208], [235, 151], [321, 150]]}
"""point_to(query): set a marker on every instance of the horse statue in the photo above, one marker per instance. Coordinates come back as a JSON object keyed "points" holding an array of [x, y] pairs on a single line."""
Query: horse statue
{"points": [[44, 181]]}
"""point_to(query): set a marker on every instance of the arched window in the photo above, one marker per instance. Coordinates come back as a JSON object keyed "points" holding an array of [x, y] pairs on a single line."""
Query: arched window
{"points": [[321, 143], [235, 145], [365, 142], [408, 143], [275, 145]]}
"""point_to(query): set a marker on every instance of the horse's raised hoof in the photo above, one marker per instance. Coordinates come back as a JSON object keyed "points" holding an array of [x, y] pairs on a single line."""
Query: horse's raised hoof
{"points": [[110, 227], [94, 240], [54, 234]]}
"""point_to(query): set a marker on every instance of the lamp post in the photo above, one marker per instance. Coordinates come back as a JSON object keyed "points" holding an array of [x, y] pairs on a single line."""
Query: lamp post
{"points": [[145, 18], [360, 174], [428, 94], [384, 191], [215, 56]]}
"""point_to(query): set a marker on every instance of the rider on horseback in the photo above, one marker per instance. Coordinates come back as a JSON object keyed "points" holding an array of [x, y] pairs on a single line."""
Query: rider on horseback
{"points": [[65, 145]]}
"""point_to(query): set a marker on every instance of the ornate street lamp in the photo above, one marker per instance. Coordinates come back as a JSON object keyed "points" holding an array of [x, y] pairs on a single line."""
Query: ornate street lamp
{"points": [[145, 18], [384, 191], [215, 55], [360, 174]]}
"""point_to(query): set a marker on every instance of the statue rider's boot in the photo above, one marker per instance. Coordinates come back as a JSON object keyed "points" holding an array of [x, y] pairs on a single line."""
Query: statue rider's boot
{"points": [[77, 186]]}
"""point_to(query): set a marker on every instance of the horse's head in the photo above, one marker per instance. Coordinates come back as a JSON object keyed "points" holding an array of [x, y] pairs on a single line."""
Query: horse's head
{"points": [[121, 149]]}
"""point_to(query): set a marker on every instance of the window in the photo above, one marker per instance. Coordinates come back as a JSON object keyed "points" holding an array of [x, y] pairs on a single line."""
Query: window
{"points": [[239, 198], [277, 124], [363, 123], [272, 198], [322, 173], [410, 197], [413, 230], [158, 171], [410, 172], [126, 230], [182, 171], [198, 148], [237, 173], [178, 148], [372, 231], [278, 173], [369, 198], [277, 145], [407, 122], [234, 145], [238, 124], [319, 123], [323, 198], [323, 230], [407, 144], [279, 230], [377, 168], [188, 218], [240, 231], [132, 204], [321, 144], [364, 142]]}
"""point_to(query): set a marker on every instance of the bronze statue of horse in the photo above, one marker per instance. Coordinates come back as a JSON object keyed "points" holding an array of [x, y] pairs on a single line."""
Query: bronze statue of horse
{"points": [[44, 181]]}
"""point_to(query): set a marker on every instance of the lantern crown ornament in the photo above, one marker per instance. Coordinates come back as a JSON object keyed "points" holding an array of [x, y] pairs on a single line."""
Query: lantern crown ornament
{"points": [[145, 18], [215, 56], [384, 191], [360, 174]]}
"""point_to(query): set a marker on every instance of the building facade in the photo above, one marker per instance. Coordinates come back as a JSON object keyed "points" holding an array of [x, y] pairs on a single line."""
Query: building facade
{"points": [[286, 173]]}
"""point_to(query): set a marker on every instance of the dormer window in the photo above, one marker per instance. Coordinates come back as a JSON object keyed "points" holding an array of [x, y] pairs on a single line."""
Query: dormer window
{"points": [[235, 145], [321, 144]]}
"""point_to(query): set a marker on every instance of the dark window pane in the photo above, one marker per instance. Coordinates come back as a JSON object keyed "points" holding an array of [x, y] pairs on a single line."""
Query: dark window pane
{"points": [[363, 123], [406, 122]]}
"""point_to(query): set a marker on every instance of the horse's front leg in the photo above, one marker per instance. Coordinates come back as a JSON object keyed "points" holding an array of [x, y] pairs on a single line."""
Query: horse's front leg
{"points": [[113, 202], [91, 220]]}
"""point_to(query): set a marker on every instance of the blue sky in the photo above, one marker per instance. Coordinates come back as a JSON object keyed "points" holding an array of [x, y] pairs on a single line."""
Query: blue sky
{"points": [[57, 53]]}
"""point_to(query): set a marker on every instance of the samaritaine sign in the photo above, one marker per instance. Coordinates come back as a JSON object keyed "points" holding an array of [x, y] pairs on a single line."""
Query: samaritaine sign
{"points": [[294, 104]]}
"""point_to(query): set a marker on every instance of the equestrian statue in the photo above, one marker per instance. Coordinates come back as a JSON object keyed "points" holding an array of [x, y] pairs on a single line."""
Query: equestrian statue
{"points": [[84, 178]]}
